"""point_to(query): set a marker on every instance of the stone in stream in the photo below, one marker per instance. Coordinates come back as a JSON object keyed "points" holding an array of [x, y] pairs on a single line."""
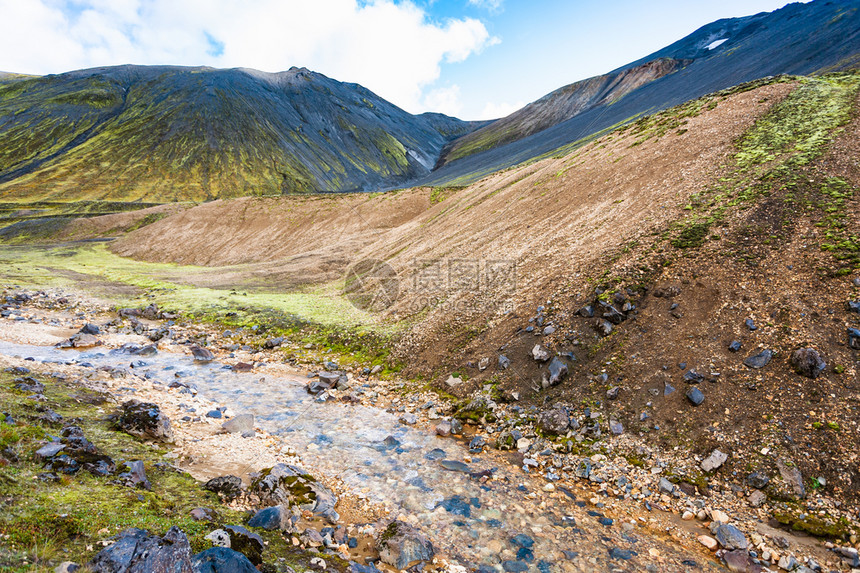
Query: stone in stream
{"points": [[714, 461], [435, 454], [239, 424], [145, 420], [202, 354], [557, 372], [137, 551], [695, 396], [221, 560], [760, 360], [456, 505], [808, 362], [402, 546], [290, 485], [245, 542], [455, 466]]}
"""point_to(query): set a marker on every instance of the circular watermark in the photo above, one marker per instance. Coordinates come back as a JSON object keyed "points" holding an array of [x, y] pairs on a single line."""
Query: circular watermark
{"points": [[371, 285]]}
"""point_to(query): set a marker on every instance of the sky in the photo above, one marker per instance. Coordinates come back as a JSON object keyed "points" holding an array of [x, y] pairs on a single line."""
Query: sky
{"points": [[474, 59]]}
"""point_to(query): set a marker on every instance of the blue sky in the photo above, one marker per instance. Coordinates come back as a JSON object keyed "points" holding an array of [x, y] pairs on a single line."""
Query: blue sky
{"points": [[475, 59]]}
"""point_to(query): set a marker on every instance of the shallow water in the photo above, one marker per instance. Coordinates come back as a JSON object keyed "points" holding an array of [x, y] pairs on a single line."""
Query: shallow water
{"points": [[475, 523]]}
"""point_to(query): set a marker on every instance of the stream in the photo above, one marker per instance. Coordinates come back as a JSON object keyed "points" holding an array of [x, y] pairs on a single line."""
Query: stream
{"points": [[493, 526]]}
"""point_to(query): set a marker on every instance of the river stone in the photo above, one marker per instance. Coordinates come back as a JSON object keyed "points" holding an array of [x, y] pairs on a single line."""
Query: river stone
{"points": [[665, 486], [808, 362], [240, 424], [758, 480], [443, 428], [202, 354], [714, 461], [739, 561], [137, 551], [554, 422], [221, 560], [229, 486], [760, 360], [402, 546], [454, 466], [729, 536], [84, 340], [245, 542], [145, 420], [792, 476]]}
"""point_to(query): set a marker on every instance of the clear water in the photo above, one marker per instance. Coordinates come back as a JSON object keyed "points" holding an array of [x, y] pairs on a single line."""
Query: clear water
{"points": [[474, 523]]}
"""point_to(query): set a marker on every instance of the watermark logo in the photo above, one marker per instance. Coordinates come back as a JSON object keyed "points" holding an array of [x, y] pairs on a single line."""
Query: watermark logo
{"points": [[371, 285]]}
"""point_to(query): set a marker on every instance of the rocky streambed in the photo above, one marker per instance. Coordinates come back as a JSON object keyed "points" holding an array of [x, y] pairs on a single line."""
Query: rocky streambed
{"points": [[534, 505]]}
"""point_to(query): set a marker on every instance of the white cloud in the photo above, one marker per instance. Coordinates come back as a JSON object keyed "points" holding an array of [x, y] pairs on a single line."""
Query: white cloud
{"points": [[493, 110], [492, 5], [444, 100], [391, 48]]}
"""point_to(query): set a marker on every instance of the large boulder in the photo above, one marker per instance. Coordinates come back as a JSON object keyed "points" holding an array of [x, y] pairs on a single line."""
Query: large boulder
{"points": [[221, 560], [808, 362], [229, 486], [145, 420], [402, 546], [289, 485], [137, 551], [246, 542], [240, 424]]}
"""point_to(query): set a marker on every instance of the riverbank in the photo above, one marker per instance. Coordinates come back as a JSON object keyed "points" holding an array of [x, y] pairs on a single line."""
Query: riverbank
{"points": [[586, 498]]}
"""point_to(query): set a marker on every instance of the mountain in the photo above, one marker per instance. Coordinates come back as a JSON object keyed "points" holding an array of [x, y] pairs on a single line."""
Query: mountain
{"points": [[800, 39], [172, 133]]}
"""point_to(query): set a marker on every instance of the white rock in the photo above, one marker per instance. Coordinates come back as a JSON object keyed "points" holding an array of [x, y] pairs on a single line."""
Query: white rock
{"points": [[714, 461], [708, 542], [688, 516], [717, 515], [219, 538]]}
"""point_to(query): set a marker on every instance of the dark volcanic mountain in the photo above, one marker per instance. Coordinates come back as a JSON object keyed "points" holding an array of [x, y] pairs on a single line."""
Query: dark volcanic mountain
{"points": [[801, 39], [172, 133]]}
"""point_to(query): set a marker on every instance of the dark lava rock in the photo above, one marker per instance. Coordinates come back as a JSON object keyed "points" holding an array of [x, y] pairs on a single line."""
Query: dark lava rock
{"points": [[523, 540], [145, 420], [693, 377], [456, 505], [760, 360], [854, 338], [757, 480], [793, 478], [317, 386], [90, 329], [355, 567], [853, 306], [477, 444], [202, 354], [735, 346], [623, 554], [30, 385], [402, 546], [586, 312], [247, 543], [137, 551], [612, 393], [222, 560], [750, 324], [214, 414], [729, 536], [695, 396], [273, 342], [228, 486], [289, 485], [270, 518], [739, 561], [136, 476], [557, 371], [554, 422], [808, 362], [504, 362], [613, 315]]}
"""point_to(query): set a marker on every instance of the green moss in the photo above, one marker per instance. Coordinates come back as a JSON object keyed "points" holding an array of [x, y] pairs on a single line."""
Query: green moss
{"points": [[692, 235], [814, 525]]}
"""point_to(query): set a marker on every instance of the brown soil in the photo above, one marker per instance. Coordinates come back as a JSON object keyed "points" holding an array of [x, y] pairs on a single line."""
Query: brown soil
{"points": [[565, 222]]}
